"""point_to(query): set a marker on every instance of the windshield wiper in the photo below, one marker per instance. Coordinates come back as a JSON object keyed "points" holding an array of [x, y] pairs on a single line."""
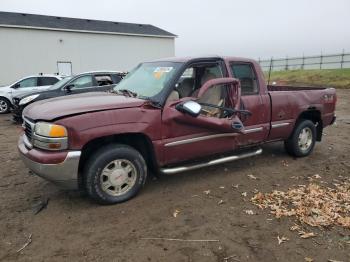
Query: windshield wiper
{"points": [[126, 92]]}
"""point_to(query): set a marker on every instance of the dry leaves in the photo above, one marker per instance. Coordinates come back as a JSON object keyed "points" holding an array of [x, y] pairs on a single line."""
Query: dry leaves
{"points": [[249, 212], [281, 239], [295, 228], [302, 233], [176, 212], [252, 177], [244, 194], [285, 163], [207, 192], [235, 186], [308, 259], [313, 204], [221, 202], [305, 235]]}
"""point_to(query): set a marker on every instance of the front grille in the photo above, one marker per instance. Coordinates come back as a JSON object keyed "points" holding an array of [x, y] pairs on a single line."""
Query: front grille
{"points": [[28, 130]]}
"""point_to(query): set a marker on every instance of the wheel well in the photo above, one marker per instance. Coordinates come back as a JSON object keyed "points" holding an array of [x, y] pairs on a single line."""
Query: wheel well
{"points": [[315, 116], [136, 140], [7, 100]]}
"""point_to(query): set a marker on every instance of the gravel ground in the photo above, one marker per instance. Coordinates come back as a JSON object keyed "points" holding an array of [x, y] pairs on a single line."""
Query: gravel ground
{"points": [[73, 228]]}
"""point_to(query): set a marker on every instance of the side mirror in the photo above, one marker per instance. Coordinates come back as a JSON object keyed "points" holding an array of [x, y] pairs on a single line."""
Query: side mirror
{"points": [[191, 108], [69, 87]]}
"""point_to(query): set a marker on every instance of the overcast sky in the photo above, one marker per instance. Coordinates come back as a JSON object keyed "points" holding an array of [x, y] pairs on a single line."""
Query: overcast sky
{"points": [[250, 28]]}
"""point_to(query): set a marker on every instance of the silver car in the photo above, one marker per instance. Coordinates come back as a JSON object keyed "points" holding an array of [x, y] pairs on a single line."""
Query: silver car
{"points": [[27, 84]]}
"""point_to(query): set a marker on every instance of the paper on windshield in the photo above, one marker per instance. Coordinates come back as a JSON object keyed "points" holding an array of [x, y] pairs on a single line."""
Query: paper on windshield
{"points": [[160, 71]]}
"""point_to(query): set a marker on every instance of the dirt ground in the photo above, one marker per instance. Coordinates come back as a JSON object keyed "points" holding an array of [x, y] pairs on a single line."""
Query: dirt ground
{"points": [[73, 228]]}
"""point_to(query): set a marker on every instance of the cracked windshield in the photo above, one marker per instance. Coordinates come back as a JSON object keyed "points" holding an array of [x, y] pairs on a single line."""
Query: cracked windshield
{"points": [[148, 79]]}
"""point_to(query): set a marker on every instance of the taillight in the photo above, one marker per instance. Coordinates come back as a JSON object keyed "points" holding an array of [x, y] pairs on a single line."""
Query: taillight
{"points": [[330, 98]]}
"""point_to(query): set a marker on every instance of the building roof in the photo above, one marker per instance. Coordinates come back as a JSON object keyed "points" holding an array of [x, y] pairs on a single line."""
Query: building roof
{"points": [[19, 20]]}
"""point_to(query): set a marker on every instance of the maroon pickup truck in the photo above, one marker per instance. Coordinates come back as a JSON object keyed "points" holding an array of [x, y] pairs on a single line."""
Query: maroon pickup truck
{"points": [[165, 117]]}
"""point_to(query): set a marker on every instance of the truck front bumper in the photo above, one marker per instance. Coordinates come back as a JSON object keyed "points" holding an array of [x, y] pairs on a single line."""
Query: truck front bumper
{"points": [[64, 174]]}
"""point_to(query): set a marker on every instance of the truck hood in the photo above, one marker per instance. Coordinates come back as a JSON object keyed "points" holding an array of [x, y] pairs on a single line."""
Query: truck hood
{"points": [[54, 108]]}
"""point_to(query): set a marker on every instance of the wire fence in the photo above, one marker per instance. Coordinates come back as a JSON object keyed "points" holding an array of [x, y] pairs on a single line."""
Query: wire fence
{"points": [[329, 61]]}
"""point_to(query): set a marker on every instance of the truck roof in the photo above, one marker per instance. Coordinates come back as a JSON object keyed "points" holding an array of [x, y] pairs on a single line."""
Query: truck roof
{"points": [[190, 58]]}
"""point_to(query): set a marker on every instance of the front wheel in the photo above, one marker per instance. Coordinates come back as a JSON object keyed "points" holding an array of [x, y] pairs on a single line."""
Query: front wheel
{"points": [[302, 140], [114, 174], [4, 105]]}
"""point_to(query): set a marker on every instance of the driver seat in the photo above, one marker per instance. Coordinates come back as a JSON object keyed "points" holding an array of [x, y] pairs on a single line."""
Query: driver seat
{"points": [[212, 96]]}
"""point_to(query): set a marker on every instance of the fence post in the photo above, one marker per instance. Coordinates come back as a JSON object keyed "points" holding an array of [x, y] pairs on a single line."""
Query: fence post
{"points": [[342, 59], [303, 62], [271, 63], [286, 63], [270, 69], [321, 60]]}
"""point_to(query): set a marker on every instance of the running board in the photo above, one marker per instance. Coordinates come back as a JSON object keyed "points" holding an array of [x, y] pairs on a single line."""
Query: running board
{"points": [[174, 170]]}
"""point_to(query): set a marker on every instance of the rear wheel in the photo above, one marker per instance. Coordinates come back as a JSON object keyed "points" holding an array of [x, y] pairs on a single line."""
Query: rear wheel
{"points": [[302, 140], [4, 105], [114, 174]]}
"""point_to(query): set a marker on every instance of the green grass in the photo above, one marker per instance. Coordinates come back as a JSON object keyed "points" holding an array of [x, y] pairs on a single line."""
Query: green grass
{"points": [[338, 78]]}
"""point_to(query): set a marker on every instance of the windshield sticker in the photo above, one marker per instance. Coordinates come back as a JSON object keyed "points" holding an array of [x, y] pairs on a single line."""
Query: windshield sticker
{"points": [[160, 71]]}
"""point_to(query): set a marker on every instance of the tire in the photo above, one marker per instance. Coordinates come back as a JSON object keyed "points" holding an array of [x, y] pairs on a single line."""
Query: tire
{"points": [[302, 141], [5, 105], [114, 174]]}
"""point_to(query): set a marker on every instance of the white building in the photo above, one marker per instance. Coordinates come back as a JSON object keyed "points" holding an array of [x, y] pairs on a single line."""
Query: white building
{"points": [[31, 44]]}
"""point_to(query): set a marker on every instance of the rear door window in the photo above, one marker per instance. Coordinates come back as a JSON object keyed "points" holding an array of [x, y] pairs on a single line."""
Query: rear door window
{"points": [[47, 81], [246, 75], [103, 80]]}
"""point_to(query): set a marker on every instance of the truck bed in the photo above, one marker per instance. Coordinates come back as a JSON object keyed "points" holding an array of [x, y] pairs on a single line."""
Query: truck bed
{"points": [[286, 108]]}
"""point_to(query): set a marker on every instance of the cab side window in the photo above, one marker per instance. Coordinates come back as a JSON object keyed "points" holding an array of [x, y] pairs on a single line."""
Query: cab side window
{"points": [[28, 82], [82, 82], [246, 75], [116, 78], [185, 85]]}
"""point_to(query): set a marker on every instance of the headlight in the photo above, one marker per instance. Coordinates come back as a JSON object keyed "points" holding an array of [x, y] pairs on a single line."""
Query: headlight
{"points": [[50, 130], [28, 99], [50, 136]]}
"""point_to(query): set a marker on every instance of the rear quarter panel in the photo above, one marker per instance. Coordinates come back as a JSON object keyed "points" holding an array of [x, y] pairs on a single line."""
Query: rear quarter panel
{"points": [[287, 106]]}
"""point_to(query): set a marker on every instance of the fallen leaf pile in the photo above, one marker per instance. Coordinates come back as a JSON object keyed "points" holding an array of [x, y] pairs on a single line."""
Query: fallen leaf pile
{"points": [[313, 204]]}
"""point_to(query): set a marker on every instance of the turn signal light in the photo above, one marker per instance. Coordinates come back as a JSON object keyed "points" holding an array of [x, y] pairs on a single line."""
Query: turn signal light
{"points": [[58, 131]]}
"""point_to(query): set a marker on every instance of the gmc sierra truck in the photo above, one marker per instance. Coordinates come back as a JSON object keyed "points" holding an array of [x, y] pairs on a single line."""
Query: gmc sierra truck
{"points": [[168, 116]]}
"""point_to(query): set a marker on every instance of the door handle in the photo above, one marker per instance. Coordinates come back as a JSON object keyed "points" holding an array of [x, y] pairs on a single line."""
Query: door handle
{"points": [[237, 126]]}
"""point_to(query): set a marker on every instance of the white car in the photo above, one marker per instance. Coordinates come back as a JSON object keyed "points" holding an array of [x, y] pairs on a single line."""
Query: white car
{"points": [[27, 84]]}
